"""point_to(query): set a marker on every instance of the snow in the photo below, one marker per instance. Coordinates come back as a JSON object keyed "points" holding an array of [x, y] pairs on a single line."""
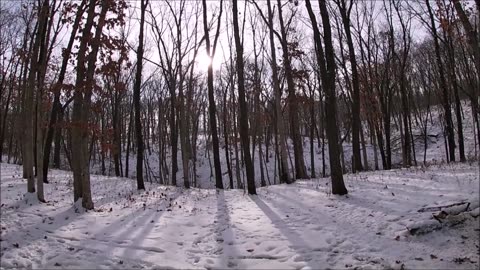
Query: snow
{"points": [[299, 226]]}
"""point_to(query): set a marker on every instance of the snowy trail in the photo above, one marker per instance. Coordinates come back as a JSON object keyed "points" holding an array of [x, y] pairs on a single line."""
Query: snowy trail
{"points": [[299, 226]]}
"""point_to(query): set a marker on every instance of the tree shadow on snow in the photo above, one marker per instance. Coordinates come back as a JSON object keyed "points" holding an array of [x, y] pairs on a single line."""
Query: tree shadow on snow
{"points": [[126, 235], [374, 199], [298, 244], [130, 231], [38, 230], [225, 237], [47, 228]]}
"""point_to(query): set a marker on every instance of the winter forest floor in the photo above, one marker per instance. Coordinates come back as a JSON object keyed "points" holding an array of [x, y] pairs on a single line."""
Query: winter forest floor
{"points": [[299, 226]]}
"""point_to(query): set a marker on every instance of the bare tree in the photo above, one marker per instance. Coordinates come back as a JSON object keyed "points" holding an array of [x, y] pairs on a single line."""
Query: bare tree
{"points": [[28, 107], [84, 85], [443, 86], [326, 62], [57, 106], [136, 97], [345, 9], [244, 134], [300, 171], [283, 164], [212, 109]]}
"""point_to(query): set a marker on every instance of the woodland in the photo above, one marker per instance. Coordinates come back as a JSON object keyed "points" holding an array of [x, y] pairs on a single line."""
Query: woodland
{"points": [[247, 95]]}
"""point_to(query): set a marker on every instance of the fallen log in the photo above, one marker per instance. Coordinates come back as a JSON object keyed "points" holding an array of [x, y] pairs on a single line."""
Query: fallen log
{"points": [[447, 216], [435, 224]]}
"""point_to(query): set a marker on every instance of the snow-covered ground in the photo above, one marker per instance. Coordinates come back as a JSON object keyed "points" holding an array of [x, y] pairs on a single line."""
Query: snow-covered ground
{"points": [[295, 226]]}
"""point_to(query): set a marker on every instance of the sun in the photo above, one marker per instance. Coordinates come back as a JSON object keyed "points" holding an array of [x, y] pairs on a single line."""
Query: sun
{"points": [[203, 61]]}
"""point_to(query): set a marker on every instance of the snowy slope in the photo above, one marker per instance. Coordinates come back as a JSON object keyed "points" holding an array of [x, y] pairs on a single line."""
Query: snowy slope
{"points": [[297, 226], [434, 154]]}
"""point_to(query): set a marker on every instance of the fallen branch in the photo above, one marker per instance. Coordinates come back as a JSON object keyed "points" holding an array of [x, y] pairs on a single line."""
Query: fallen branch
{"points": [[439, 208]]}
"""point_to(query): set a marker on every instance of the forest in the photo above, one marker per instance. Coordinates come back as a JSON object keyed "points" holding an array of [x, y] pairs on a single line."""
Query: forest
{"points": [[158, 105]]}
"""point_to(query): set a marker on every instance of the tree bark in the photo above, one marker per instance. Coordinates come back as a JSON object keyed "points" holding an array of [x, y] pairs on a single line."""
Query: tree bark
{"points": [[244, 134], [82, 102], [42, 65], [136, 98], [212, 108], [28, 112], [326, 62]]}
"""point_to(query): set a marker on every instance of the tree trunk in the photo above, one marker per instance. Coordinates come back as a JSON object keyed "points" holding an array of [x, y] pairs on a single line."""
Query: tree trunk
{"points": [[129, 136], [326, 62], [225, 135], [300, 171], [364, 148], [212, 108], [42, 65], [136, 98], [28, 156], [281, 140], [458, 105], [3, 118], [472, 35], [57, 142], [173, 134], [312, 130], [244, 134], [444, 88], [56, 107], [345, 14], [82, 102], [117, 144]]}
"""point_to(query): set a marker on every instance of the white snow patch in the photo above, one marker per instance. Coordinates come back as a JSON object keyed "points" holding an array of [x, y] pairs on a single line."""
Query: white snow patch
{"points": [[299, 226]]}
